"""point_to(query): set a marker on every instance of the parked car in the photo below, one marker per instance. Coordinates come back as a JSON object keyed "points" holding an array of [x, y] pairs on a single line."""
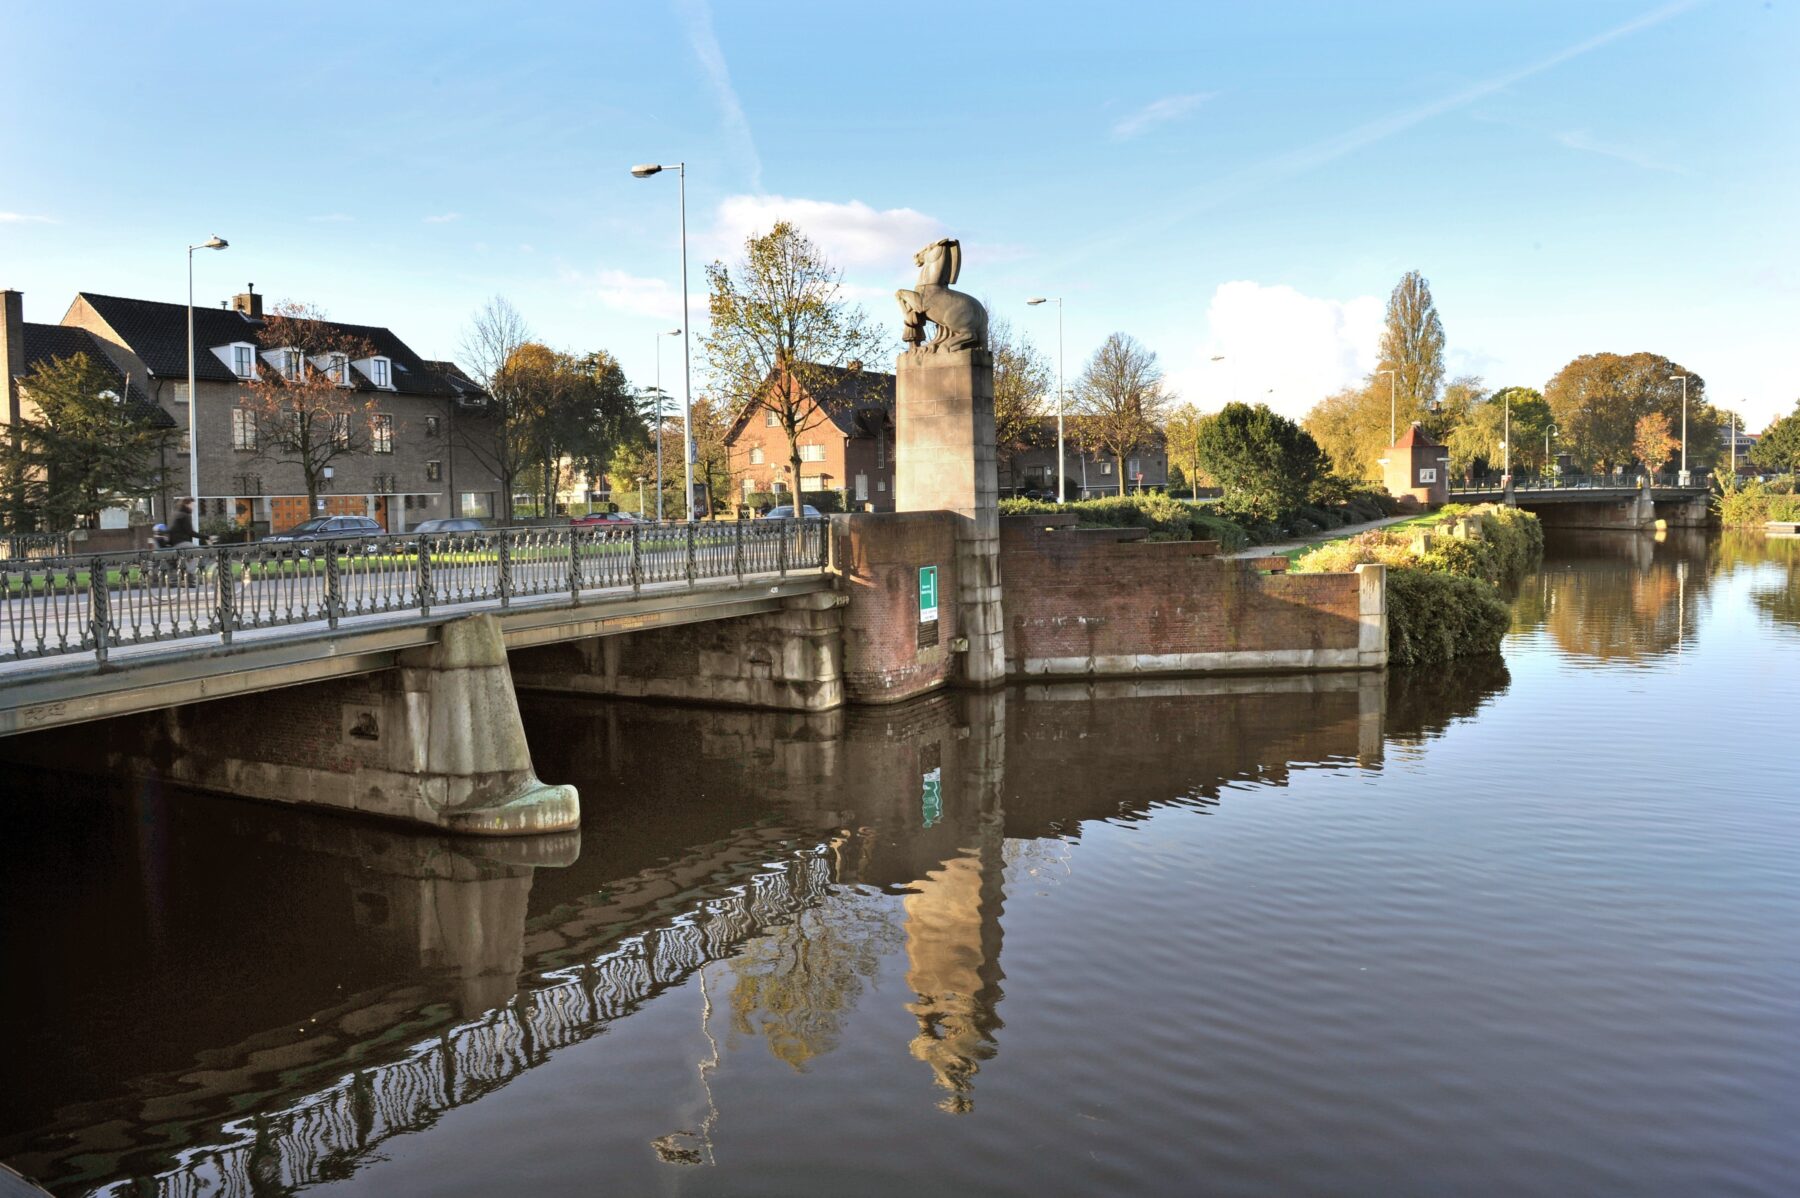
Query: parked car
{"points": [[604, 518], [453, 524], [786, 512], [351, 532]]}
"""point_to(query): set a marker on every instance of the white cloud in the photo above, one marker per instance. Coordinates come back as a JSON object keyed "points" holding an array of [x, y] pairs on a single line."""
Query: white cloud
{"points": [[1274, 337], [23, 218], [705, 43], [443, 218], [1579, 139], [1158, 112], [853, 235], [637, 295]]}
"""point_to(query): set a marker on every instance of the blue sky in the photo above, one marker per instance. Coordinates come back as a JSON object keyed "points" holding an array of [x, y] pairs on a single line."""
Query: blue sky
{"points": [[1244, 180]]}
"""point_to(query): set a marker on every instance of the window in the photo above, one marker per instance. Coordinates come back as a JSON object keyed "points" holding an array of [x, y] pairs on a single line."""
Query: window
{"points": [[881, 451], [881, 484], [340, 369], [243, 358], [433, 471], [1105, 466], [812, 453], [756, 455], [243, 430], [431, 426], [381, 434], [290, 363], [771, 420], [1133, 467], [378, 373], [812, 482], [1427, 474], [340, 429], [862, 487], [477, 503]]}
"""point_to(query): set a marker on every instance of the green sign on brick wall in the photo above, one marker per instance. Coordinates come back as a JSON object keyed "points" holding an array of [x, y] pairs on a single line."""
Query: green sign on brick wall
{"points": [[928, 594]]}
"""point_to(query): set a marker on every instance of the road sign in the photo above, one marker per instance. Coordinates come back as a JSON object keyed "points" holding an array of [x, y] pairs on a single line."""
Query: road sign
{"points": [[931, 800], [928, 594]]}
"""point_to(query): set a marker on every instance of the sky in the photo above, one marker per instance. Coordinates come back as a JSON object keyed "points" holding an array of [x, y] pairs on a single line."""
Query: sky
{"points": [[1230, 181]]}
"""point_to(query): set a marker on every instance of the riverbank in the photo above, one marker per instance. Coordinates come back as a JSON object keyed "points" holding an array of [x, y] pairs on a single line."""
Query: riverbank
{"points": [[1294, 548]]}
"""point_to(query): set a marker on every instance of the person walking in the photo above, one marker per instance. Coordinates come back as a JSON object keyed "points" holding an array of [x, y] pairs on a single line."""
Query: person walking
{"points": [[181, 529]]}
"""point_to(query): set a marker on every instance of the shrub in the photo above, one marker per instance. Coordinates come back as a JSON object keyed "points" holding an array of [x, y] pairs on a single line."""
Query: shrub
{"points": [[1165, 519], [1435, 617], [1784, 507]]}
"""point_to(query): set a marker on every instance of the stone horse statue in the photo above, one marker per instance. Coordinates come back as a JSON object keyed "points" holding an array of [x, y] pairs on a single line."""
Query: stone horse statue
{"points": [[960, 319]]}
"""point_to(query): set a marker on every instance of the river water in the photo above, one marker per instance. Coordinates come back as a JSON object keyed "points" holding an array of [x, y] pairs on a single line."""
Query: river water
{"points": [[1530, 928]]}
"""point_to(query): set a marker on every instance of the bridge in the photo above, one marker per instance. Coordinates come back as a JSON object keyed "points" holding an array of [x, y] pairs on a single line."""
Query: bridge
{"points": [[408, 634], [1641, 502]]}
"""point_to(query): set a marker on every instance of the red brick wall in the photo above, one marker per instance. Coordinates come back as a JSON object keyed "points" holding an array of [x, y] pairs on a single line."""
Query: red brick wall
{"points": [[1092, 594], [879, 557]]}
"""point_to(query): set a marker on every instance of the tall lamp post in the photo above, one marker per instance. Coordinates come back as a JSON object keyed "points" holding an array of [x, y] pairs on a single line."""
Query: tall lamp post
{"points": [[1683, 480], [1393, 406], [214, 242], [659, 427], [644, 171], [1549, 431], [1062, 467]]}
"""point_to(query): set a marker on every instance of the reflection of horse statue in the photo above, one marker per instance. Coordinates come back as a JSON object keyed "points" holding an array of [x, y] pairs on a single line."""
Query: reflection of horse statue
{"points": [[960, 319]]}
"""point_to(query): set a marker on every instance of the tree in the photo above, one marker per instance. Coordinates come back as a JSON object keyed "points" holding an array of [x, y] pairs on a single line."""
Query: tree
{"points": [[309, 410], [784, 340], [1119, 400], [1266, 463], [1022, 379], [1597, 399], [500, 443], [568, 413], [1412, 346], [1182, 433], [1476, 439], [1351, 426], [1779, 446], [1652, 443], [84, 448]]}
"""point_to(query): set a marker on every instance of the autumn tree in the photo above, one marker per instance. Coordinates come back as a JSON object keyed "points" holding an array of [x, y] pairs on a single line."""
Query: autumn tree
{"points": [[785, 340], [311, 408], [502, 442], [1266, 463], [1351, 426], [569, 413], [83, 448], [1119, 400], [1022, 381], [1597, 400], [1652, 442], [1412, 346], [1181, 432]]}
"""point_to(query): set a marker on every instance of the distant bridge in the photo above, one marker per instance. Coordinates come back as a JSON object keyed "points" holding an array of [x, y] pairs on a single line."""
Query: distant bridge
{"points": [[1614, 501]]}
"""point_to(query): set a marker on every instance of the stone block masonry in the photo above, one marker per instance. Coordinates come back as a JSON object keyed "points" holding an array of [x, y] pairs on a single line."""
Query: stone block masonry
{"points": [[891, 654], [1100, 602]]}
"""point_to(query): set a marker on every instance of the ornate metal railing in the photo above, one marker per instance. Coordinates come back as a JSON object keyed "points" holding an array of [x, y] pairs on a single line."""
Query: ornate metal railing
{"points": [[32, 546], [1577, 482], [98, 602]]}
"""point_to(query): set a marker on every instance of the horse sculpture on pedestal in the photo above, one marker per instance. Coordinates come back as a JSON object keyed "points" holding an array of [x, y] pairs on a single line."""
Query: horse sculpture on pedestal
{"points": [[960, 319]]}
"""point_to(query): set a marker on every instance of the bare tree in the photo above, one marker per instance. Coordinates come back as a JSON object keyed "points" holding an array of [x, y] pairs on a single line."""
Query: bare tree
{"points": [[783, 335], [489, 347], [309, 410], [1120, 400]]}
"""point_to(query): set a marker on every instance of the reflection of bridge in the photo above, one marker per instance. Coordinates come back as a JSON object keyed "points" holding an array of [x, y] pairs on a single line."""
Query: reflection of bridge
{"points": [[1597, 500]]}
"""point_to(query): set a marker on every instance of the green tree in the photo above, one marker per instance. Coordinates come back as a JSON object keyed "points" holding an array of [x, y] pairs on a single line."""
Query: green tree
{"points": [[782, 331], [1266, 463], [1351, 426], [1119, 400], [1181, 432], [1779, 446], [1412, 346], [1597, 400], [82, 449], [1022, 379]]}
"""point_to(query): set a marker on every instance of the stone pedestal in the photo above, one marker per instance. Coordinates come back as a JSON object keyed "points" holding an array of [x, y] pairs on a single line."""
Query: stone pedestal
{"points": [[944, 460]]}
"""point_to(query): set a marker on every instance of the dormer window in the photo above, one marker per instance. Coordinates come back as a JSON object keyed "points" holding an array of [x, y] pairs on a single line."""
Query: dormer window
{"points": [[290, 364], [379, 372], [340, 369], [243, 361]]}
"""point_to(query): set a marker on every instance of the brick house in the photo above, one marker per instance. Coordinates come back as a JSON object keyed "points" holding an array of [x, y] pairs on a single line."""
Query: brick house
{"points": [[848, 445], [1417, 468], [423, 458], [1090, 475]]}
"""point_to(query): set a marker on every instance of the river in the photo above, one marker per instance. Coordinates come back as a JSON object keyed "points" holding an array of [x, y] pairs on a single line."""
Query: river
{"points": [[1522, 928]]}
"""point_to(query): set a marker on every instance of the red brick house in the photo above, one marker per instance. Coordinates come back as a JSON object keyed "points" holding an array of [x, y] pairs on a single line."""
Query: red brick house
{"points": [[846, 446]]}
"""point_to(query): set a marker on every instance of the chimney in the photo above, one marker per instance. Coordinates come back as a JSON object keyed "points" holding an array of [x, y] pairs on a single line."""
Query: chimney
{"points": [[247, 301], [12, 349]]}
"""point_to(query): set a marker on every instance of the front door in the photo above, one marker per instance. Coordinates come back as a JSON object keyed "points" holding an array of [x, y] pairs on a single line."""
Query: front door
{"points": [[381, 512]]}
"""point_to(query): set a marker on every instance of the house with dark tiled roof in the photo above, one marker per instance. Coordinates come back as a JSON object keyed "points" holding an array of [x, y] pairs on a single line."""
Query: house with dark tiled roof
{"points": [[427, 419], [846, 442]]}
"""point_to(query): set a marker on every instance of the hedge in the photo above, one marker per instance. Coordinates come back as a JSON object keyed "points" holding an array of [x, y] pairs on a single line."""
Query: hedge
{"points": [[1168, 519], [1434, 617]]}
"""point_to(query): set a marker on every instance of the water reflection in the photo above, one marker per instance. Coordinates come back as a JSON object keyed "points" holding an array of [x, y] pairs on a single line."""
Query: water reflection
{"points": [[1615, 597], [771, 862]]}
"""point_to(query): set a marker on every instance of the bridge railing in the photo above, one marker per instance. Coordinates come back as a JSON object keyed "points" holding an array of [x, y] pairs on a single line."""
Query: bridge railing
{"points": [[94, 603], [1571, 482]]}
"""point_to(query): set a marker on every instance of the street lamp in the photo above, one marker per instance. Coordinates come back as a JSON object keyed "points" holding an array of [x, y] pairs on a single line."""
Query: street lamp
{"points": [[1062, 481], [214, 242], [1549, 431], [1684, 470], [1393, 406], [659, 426], [644, 171]]}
